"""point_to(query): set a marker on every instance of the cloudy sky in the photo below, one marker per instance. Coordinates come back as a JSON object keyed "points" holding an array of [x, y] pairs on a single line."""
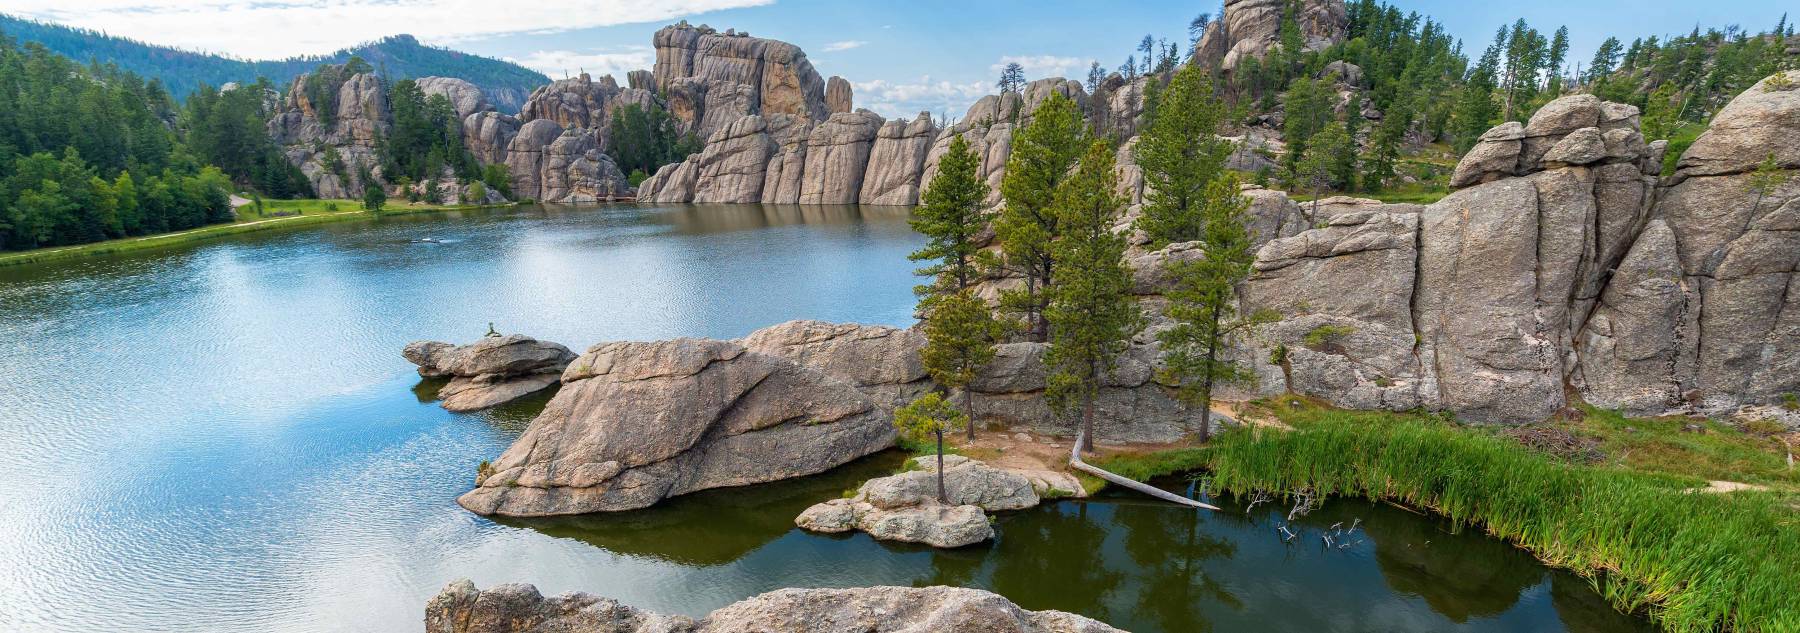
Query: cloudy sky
{"points": [[903, 57]]}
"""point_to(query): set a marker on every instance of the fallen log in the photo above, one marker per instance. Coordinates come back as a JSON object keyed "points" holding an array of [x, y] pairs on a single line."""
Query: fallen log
{"points": [[1076, 463]]}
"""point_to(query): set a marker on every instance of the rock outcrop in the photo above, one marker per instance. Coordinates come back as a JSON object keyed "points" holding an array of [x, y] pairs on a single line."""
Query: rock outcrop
{"points": [[897, 161], [905, 507], [333, 143], [1252, 29], [554, 150], [491, 371], [635, 423], [464, 97], [1706, 314], [519, 608], [837, 95], [1482, 303], [725, 76]]}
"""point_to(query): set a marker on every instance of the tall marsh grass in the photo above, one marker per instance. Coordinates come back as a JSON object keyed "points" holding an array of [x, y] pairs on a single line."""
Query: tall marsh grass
{"points": [[1693, 561]]}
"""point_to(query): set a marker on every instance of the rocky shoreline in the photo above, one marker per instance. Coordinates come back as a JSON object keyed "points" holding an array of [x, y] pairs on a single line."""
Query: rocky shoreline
{"points": [[519, 608]]}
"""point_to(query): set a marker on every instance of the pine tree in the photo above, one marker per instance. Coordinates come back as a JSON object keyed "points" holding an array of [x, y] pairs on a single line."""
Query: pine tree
{"points": [[1092, 313], [1181, 153], [1012, 78], [1202, 303], [1043, 151], [1385, 143], [1322, 160], [925, 417], [1559, 50], [1475, 110], [959, 340], [1148, 48], [1308, 110], [1606, 58], [949, 215], [1344, 168]]}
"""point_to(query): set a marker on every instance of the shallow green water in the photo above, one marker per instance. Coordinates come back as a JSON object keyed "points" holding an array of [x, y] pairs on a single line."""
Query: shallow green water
{"points": [[224, 438]]}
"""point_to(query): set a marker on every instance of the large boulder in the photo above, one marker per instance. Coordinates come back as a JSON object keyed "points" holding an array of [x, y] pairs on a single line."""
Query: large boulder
{"points": [[491, 371], [1756, 124], [519, 608], [635, 423], [466, 98], [880, 360]]}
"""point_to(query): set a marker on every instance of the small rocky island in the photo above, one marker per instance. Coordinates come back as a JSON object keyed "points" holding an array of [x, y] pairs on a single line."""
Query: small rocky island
{"points": [[904, 507], [489, 372]]}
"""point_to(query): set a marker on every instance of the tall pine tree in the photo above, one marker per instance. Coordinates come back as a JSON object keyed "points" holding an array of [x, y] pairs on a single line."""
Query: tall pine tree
{"points": [[1180, 152], [1092, 312], [1042, 154]]}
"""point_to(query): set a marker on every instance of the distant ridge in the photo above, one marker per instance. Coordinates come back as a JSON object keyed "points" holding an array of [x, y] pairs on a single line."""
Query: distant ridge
{"points": [[181, 71]]}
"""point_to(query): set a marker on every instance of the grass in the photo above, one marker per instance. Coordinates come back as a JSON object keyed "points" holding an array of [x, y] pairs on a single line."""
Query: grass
{"points": [[275, 214], [1695, 562]]}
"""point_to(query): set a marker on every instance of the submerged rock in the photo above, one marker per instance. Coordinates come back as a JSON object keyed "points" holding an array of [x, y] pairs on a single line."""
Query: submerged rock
{"points": [[519, 608], [491, 371]]}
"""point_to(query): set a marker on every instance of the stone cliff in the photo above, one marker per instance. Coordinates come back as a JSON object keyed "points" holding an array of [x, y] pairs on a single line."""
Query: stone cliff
{"points": [[554, 149], [713, 78]]}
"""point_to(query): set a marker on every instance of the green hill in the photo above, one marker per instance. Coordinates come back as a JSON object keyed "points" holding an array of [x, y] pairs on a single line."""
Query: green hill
{"points": [[181, 72]]}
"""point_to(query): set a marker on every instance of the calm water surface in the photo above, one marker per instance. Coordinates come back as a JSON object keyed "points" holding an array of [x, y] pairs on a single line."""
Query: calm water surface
{"points": [[225, 438]]}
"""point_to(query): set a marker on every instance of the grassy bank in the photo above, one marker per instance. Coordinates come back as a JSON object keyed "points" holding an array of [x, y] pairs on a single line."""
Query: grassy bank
{"points": [[1621, 509], [275, 214]]}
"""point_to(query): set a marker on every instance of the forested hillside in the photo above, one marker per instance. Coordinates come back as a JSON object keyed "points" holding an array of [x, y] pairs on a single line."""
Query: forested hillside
{"points": [[89, 153], [1406, 98], [182, 72]]}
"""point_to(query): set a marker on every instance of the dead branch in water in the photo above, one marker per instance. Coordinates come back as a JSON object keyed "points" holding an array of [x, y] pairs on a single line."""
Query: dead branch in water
{"points": [[1076, 463]]}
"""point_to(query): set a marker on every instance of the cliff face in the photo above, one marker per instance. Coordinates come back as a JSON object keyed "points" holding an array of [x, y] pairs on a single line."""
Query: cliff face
{"points": [[722, 77], [359, 115], [560, 159]]}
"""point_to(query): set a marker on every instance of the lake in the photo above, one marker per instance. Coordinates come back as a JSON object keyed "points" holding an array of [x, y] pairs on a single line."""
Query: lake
{"points": [[224, 437]]}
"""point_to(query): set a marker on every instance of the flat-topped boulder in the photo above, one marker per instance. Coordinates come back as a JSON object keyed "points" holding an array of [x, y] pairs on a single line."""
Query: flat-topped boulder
{"points": [[519, 608], [637, 422], [905, 507], [489, 372]]}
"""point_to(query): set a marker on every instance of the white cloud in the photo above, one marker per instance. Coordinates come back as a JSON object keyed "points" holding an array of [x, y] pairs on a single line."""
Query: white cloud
{"points": [[908, 98], [560, 63], [1041, 66], [265, 29], [844, 45]]}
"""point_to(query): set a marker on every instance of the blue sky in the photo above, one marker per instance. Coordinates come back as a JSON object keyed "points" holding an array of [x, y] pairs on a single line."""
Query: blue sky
{"points": [[903, 57]]}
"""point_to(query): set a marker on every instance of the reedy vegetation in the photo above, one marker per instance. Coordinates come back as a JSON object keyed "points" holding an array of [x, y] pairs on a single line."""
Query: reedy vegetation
{"points": [[1693, 561]]}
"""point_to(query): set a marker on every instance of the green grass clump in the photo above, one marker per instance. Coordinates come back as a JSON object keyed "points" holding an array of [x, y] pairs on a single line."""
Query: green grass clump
{"points": [[1695, 562], [1702, 449], [1323, 335]]}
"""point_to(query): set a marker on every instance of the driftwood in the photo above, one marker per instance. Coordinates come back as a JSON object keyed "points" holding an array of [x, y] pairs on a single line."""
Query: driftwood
{"points": [[1076, 463]]}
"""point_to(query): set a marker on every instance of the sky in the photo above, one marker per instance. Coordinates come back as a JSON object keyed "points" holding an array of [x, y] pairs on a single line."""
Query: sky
{"points": [[902, 57]]}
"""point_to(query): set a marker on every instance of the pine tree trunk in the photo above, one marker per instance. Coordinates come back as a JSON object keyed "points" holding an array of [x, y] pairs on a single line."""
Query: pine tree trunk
{"points": [[942, 498], [969, 408], [1206, 382]]}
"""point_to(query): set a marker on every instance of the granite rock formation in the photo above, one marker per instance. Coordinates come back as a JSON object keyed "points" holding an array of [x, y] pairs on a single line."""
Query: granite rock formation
{"points": [[1252, 29], [491, 371], [519, 608], [725, 76], [635, 423]]}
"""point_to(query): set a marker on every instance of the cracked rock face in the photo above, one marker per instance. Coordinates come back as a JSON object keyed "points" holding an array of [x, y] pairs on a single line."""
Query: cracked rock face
{"points": [[1252, 28], [635, 423], [1738, 323], [519, 608]]}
